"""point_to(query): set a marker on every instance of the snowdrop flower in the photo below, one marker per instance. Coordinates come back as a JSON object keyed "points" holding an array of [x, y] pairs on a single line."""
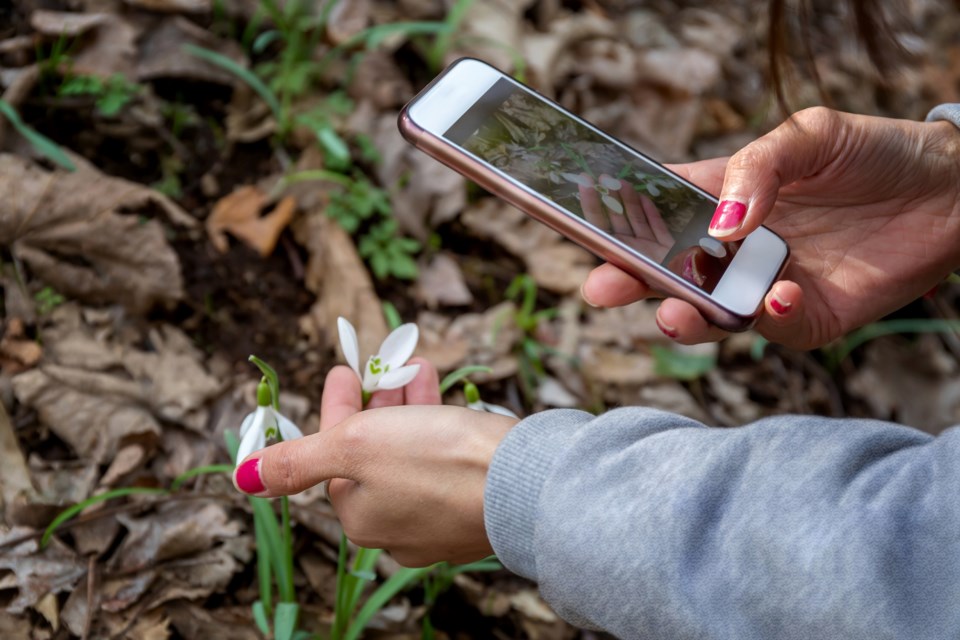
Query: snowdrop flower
{"points": [[385, 370], [474, 402], [266, 422], [603, 186]]}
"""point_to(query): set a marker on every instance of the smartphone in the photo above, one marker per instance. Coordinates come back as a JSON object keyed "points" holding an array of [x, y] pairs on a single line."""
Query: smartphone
{"points": [[599, 192]]}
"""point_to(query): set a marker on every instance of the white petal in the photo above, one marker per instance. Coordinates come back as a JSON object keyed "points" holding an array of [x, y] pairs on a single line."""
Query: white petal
{"points": [[399, 345], [288, 430], [246, 424], [652, 190], [258, 420], [396, 378], [349, 344], [497, 409], [479, 405], [254, 441], [610, 182], [613, 204], [579, 179]]}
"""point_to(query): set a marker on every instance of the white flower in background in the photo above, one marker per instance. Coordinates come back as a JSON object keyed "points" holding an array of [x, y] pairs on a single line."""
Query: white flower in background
{"points": [[474, 402], [385, 370], [604, 185], [263, 424]]}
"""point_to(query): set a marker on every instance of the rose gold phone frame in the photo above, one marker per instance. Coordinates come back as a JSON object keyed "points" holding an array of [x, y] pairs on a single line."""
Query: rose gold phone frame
{"points": [[655, 276]]}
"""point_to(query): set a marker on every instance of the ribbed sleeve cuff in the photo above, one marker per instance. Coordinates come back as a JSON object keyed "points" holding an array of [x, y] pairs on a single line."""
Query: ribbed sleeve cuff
{"points": [[517, 473], [948, 112]]}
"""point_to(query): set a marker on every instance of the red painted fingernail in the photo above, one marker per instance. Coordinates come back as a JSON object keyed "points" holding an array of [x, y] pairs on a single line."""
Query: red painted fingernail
{"points": [[669, 331], [780, 307], [728, 217], [247, 477]]}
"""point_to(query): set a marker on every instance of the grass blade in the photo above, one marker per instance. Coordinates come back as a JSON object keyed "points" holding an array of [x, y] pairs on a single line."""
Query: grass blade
{"points": [[231, 66], [454, 377], [199, 471], [40, 142], [394, 585], [67, 514]]}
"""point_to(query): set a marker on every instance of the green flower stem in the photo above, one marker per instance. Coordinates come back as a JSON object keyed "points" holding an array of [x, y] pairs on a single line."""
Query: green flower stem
{"points": [[263, 568], [289, 593]]}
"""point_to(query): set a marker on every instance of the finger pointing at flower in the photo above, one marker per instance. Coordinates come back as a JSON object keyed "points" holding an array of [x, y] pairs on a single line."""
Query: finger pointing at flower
{"points": [[409, 479]]}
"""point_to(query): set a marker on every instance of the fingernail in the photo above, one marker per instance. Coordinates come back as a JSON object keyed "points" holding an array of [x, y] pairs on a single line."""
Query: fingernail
{"points": [[728, 217], [669, 331], [689, 271], [584, 295], [779, 306], [247, 477]]}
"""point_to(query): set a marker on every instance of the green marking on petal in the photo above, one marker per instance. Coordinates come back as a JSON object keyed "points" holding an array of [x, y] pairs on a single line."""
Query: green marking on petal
{"points": [[375, 367]]}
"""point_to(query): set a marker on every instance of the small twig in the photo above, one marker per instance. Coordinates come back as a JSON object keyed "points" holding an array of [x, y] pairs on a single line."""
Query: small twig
{"points": [[91, 590]]}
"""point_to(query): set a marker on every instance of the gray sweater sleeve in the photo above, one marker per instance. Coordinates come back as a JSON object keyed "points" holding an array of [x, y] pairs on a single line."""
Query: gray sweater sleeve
{"points": [[650, 525], [948, 112]]}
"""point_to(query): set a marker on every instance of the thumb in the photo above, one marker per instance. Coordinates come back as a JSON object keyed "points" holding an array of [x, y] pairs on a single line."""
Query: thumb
{"points": [[293, 466], [800, 147]]}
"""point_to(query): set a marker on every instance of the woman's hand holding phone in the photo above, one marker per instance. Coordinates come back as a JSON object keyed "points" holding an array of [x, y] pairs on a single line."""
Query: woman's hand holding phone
{"points": [[870, 208]]}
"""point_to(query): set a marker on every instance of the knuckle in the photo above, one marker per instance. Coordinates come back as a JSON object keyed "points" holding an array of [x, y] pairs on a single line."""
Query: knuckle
{"points": [[817, 121], [748, 158]]}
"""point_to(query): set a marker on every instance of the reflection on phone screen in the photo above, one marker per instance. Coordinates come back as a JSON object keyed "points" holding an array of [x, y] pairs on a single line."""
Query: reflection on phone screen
{"points": [[593, 177]]}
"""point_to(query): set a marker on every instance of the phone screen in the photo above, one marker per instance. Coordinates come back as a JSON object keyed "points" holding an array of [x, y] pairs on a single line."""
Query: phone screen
{"points": [[597, 179]]}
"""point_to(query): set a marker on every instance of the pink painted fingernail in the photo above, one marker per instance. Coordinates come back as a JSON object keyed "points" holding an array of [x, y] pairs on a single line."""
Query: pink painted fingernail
{"points": [[779, 306], [247, 477], [728, 217], [669, 331]]}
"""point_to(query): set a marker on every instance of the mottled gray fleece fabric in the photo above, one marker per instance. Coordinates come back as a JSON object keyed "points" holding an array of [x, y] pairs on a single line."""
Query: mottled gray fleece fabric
{"points": [[948, 112], [650, 525]]}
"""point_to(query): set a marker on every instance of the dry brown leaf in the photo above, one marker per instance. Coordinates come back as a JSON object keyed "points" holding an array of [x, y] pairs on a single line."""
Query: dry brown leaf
{"points": [[491, 31], [36, 573], [239, 214], [379, 81], [692, 71], [108, 46], [347, 19], [127, 459], [441, 283], [486, 339], [12, 626], [550, 55], [15, 482], [162, 53], [193, 621], [431, 194], [61, 23], [554, 262], [93, 425], [614, 366], [173, 6], [172, 532], [69, 229], [99, 393], [18, 352], [913, 382], [342, 283]]}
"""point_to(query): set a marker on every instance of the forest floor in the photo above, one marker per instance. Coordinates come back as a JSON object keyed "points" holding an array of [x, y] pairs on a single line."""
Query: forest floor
{"points": [[195, 230]]}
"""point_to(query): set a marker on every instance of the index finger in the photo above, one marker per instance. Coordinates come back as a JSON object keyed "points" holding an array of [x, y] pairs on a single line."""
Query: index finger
{"points": [[342, 397], [706, 174]]}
